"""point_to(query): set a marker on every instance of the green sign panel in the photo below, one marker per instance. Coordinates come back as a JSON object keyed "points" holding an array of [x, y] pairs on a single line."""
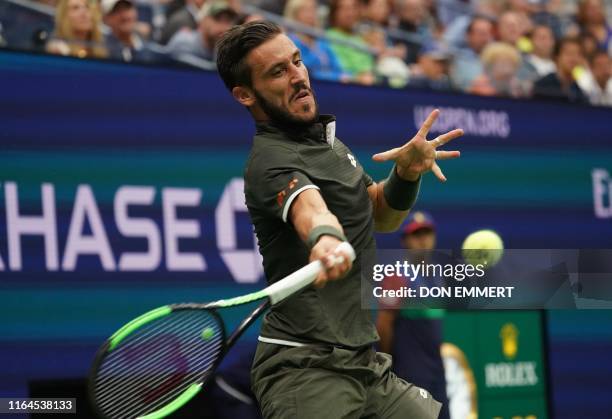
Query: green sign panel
{"points": [[494, 365]]}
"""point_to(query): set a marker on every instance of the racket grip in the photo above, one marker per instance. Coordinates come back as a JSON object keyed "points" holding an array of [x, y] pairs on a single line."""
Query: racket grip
{"points": [[346, 248], [302, 277]]}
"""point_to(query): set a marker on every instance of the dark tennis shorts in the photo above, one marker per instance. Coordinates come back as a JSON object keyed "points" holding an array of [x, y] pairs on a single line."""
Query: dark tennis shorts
{"points": [[327, 382]]}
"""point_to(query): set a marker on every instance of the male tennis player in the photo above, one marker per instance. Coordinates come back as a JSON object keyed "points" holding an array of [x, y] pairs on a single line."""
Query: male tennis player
{"points": [[306, 193]]}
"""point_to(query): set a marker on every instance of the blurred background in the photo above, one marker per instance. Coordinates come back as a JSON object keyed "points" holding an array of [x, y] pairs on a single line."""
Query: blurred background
{"points": [[121, 159]]}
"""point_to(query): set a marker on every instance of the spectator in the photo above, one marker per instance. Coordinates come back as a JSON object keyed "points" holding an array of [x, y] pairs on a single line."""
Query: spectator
{"points": [[432, 19], [388, 64], [589, 45], [376, 13], [597, 84], [432, 68], [501, 63], [455, 32], [375, 19], [77, 30], [592, 19], [124, 42], [449, 10], [523, 10], [560, 85], [172, 6], [509, 28], [539, 63], [215, 18], [185, 17], [546, 13], [414, 337], [467, 65], [413, 20], [276, 7], [358, 63], [317, 54], [248, 18]]}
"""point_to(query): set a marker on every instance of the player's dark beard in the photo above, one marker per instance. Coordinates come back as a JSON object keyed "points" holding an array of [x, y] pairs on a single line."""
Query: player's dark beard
{"points": [[281, 116]]}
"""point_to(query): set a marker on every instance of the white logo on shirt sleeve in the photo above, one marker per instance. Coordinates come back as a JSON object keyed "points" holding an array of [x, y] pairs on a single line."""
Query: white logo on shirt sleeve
{"points": [[352, 159]]}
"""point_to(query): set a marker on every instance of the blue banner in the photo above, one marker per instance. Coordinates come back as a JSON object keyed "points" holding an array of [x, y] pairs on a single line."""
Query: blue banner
{"points": [[121, 186]]}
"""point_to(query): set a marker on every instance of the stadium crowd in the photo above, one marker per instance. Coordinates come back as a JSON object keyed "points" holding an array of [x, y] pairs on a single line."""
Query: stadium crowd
{"points": [[556, 49]]}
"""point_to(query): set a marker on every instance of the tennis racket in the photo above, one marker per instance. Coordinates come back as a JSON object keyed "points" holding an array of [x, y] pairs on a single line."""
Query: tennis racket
{"points": [[162, 359]]}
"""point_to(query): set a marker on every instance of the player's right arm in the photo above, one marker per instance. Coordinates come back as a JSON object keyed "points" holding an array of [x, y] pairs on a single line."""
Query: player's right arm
{"points": [[307, 212]]}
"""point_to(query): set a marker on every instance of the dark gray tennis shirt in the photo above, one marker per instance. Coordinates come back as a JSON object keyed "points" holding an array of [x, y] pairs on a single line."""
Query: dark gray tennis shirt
{"points": [[284, 162]]}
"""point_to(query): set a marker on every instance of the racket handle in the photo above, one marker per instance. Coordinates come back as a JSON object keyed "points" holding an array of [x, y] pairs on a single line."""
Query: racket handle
{"points": [[303, 277], [346, 248]]}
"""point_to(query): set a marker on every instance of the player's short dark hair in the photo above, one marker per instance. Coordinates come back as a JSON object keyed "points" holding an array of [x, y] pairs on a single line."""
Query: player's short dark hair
{"points": [[235, 45]]}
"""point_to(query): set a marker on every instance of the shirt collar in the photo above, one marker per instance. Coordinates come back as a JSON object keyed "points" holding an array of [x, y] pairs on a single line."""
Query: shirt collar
{"points": [[324, 129]]}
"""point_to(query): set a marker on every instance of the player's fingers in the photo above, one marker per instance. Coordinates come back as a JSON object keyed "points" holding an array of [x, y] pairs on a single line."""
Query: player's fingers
{"points": [[334, 273], [347, 265], [445, 155], [428, 123], [329, 262], [334, 269], [321, 279], [334, 266], [387, 155], [438, 172], [445, 138], [344, 261]]}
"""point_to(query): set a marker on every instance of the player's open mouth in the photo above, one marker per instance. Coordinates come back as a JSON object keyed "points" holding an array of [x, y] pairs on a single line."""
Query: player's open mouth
{"points": [[301, 95]]}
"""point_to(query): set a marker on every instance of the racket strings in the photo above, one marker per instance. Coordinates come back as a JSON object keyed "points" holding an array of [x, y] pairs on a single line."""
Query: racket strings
{"points": [[158, 362], [151, 378], [141, 339], [156, 370], [136, 387], [152, 382]]}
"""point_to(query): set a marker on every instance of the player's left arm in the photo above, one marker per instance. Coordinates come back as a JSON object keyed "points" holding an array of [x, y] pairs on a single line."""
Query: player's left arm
{"points": [[393, 197], [386, 219]]}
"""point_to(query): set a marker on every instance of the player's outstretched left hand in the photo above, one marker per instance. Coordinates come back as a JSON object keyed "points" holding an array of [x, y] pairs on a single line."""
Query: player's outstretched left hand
{"points": [[418, 156]]}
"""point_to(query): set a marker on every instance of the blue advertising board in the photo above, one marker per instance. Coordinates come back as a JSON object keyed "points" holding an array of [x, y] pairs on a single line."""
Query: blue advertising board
{"points": [[121, 190]]}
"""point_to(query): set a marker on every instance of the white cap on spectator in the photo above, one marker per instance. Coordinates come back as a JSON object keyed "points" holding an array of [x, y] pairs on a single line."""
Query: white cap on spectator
{"points": [[107, 6]]}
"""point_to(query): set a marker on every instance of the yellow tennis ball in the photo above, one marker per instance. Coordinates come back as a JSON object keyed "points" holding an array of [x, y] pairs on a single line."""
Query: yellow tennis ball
{"points": [[483, 247]]}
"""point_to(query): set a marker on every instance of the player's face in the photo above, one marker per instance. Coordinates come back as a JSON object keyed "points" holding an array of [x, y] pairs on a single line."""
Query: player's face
{"points": [[280, 82]]}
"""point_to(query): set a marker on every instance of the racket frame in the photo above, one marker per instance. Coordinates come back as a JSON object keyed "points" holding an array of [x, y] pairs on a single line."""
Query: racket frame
{"points": [[273, 294], [190, 392]]}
